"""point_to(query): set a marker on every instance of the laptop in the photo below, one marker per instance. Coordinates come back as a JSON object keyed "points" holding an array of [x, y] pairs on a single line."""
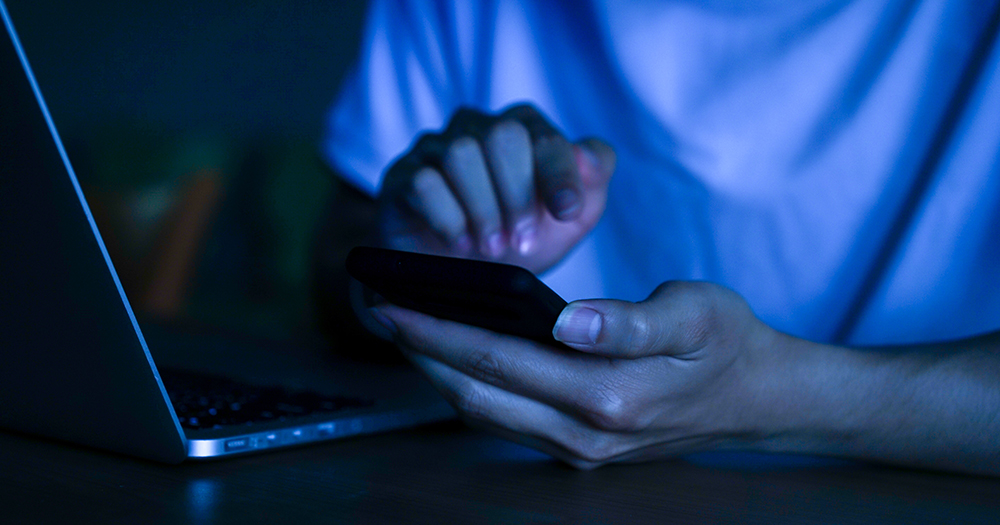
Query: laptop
{"points": [[75, 364]]}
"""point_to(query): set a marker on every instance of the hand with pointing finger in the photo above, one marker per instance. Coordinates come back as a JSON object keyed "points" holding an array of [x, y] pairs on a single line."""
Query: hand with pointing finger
{"points": [[507, 188]]}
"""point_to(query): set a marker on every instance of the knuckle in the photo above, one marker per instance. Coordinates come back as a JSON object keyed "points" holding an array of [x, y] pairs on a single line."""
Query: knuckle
{"points": [[521, 110], [552, 145], [471, 400], [506, 134], [534, 120], [610, 409], [555, 160], [487, 365], [700, 320], [697, 314], [640, 333], [466, 121], [507, 125]]}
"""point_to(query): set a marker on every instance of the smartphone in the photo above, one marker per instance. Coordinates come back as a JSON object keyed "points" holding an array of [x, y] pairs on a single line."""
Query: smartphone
{"points": [[499, 297]]}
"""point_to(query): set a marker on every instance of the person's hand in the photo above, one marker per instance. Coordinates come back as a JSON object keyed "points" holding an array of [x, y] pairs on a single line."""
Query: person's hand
{"points": [[507, 187], [684, 370]]}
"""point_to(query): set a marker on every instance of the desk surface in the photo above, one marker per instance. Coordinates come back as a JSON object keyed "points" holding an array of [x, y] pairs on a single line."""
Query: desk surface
{"points": [[449, 474]]}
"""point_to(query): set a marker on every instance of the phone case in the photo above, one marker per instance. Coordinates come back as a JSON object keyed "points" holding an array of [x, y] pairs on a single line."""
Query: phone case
{"points": [[499, 297]]}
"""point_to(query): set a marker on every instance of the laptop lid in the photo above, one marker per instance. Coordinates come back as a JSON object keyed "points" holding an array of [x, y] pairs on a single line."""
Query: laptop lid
{"points": [[75, 364]]}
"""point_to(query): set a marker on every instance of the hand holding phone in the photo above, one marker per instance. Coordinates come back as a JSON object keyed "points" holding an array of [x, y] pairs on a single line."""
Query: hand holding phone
{"points": [[499, 297]]}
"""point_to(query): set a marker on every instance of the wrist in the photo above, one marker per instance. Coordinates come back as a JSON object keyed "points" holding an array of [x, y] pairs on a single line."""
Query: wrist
{"points": [[922, 406], [813, 398]]}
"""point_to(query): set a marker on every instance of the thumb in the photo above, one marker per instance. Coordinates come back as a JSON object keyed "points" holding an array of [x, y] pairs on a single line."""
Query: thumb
{"points": [[666, 323]]}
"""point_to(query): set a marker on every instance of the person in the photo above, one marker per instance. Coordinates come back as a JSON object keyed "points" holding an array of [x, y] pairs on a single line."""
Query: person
{"points": [[809, 190]]}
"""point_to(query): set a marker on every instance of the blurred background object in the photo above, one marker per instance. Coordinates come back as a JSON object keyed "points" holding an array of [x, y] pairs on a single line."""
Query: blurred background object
{"points": [[193, 128]]}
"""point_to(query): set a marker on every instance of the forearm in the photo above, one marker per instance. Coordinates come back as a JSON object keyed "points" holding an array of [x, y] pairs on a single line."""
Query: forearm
{"points": [[935, 406]]}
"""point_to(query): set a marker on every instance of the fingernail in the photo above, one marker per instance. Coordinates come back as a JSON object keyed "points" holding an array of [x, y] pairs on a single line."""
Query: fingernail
{"points": [[524, 237], [492, 245], [381, 319], [565, 203], [577, 324]]}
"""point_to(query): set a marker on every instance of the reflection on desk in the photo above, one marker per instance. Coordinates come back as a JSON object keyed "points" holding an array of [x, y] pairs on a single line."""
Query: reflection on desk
{"points": [[449, 474]]}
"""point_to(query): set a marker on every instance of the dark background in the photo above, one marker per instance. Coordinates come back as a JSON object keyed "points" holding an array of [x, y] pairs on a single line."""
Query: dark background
{"points": [[154, 98], [243, 67]]}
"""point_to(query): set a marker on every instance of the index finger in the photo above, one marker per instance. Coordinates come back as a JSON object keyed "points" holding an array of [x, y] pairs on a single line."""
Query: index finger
{"points": [[579, 383], [556, 176]]}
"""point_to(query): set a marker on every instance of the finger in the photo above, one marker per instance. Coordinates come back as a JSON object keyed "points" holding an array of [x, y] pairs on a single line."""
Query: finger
{"points": [[417, 208], [399, 229], [431, 199], [509, 154], [466, 170], [556, 177], [592, 388], [520, 418], [427, 151], [594, 164], [675, 320]]}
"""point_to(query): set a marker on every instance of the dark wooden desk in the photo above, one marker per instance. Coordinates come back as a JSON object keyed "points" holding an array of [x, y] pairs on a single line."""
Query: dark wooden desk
{"points": [[449, 474]]}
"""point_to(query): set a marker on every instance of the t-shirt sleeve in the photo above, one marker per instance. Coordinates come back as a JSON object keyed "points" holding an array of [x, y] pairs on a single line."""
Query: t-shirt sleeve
{"points": [[418, 63]]}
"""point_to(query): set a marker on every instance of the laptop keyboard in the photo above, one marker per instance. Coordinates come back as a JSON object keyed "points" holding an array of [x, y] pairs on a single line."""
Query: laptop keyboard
{"points": [[204, 401]]}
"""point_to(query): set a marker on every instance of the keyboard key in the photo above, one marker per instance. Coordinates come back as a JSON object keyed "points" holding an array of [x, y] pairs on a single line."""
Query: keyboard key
{"points": [[207, 401]]}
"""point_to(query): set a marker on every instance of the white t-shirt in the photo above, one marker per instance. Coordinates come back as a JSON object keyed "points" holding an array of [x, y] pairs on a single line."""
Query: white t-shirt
{"points": [[766, 145]]}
